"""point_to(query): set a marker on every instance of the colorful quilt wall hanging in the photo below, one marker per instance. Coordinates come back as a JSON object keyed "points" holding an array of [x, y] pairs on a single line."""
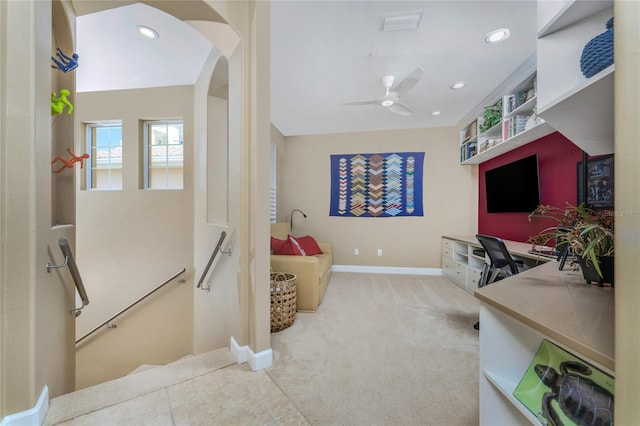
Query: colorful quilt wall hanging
{"points": [[376, 185]]}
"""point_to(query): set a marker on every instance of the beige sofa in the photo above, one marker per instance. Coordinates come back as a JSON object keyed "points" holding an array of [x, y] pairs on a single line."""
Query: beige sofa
{"points": [[312, 272]]}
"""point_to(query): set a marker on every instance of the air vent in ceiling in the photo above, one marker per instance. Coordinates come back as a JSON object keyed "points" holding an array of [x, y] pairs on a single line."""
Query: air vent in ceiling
{"points": [[402, 22]]}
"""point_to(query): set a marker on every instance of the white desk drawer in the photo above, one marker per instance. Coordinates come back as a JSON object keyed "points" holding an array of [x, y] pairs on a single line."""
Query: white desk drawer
{"points": [[447, 244], [473, 278], [454, 270], [447, 252]]}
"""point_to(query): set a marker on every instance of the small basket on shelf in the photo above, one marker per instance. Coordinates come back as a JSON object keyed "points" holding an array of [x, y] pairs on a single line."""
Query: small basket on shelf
{"points": [[283, 300]]}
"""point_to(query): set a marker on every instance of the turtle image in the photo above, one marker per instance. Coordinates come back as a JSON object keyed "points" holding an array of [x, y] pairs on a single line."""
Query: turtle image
{"points": [[580, 398]]}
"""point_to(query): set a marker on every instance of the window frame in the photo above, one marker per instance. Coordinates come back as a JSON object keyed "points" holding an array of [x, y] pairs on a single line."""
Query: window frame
{"points": [[91, 132], [146, 144]]}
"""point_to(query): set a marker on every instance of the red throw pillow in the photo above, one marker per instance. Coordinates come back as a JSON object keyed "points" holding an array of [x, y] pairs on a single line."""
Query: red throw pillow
{"points": [[305, 246], [282, 246]]}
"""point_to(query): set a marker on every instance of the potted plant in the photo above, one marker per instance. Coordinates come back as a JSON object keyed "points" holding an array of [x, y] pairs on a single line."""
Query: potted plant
{"points": [[492, 116], [586, 232]]}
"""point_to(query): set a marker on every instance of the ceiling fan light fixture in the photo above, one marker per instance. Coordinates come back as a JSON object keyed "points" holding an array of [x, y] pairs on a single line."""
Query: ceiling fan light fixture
{"points": [[497, 36], [435, 113], [387, 103], [458, 85], [147, 32]]}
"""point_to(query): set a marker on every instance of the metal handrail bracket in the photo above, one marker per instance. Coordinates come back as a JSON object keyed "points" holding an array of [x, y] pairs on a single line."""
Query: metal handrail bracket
{"points": [[108, 321], [70, 262], [217, 249]]}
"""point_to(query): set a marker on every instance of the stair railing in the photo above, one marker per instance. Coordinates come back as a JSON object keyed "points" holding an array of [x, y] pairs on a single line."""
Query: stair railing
{"points": [[69, 261], [108, 322], [216, 250]]}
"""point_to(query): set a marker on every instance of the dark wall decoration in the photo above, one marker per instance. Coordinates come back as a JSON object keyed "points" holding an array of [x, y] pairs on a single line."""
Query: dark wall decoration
{"points": [[376, 185], [599, 182]]}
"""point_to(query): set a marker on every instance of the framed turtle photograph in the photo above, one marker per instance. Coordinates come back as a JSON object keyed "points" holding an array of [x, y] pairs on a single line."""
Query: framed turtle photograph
{"points": [[562, 389]]}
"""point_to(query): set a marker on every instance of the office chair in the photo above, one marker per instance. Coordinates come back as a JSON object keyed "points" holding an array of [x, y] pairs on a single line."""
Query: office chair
{"points": [[501, 265], [500, 259]]}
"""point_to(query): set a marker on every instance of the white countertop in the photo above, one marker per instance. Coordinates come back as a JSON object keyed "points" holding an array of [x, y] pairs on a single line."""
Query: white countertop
{"points": [[561, 305]]}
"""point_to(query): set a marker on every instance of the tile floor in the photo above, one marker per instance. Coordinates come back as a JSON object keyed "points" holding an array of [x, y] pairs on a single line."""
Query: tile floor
{"points": [[231, 395]]}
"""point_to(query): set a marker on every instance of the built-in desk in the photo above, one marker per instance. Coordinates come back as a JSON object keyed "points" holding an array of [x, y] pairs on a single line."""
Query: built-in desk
{"points": [[462, 261], [517, 313]]}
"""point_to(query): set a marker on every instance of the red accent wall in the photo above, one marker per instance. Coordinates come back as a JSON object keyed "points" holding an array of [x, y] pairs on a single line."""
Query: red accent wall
{"points": [[557, 159]]}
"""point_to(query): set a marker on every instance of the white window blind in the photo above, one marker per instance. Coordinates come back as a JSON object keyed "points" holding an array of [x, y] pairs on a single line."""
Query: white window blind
{"points": [[273, 202]]}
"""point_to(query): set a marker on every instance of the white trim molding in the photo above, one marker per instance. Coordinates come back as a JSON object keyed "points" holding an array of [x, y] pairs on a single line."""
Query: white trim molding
{"points": [[32, 417], [257, 361], [386, 270]]}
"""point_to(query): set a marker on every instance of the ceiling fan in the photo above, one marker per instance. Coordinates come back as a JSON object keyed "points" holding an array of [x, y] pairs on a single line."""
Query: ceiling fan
{"points": [[391, 99]]}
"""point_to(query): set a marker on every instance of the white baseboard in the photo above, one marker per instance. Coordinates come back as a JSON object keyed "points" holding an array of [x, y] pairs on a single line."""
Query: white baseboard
{"points": [[386, 270], [257, 361], [239, 353], [34, 416]]}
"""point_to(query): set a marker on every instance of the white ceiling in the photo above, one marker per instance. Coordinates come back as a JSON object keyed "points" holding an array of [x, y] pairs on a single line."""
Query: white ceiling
{"points": [[113, 56], [326, 53]]}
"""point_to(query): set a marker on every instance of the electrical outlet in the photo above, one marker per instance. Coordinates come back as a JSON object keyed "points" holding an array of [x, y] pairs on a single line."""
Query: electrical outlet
{"points": [[356, 252], [379, 252]]}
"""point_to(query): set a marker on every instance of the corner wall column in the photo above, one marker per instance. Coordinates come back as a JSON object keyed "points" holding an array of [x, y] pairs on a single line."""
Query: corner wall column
{"points": [[627, 209]]}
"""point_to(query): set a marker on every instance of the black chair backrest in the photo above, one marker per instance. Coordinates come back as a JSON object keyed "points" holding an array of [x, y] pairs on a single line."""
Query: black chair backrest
{"points": [[497, 252]]}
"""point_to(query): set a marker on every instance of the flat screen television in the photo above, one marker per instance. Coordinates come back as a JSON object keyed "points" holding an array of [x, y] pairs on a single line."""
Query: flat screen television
{"points": [[513, 187]]}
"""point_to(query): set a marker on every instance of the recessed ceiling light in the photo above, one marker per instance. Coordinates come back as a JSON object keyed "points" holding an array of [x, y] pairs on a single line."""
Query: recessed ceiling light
{"points": [[497, 36], [458, 85], [435, 113], [147, 32]]}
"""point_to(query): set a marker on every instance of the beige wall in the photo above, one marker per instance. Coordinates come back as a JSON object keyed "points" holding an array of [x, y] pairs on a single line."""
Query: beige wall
{"points": [[131, 240], [449, 197], [36, 343], [217, 200], [259, 167], [627, 176], [36, 347]]}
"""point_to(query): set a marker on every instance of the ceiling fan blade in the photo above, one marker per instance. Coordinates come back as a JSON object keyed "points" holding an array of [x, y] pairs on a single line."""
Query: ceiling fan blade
{"points": [[371, 102], [398, 108], [408, 82]]}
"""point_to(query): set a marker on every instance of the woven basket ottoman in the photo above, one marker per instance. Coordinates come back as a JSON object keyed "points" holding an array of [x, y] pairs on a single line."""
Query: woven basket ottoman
{"points": [[283, 300]]}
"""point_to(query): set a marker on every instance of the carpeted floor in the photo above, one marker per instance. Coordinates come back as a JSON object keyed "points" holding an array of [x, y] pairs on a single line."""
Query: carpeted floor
{"points": [[383, 350]]}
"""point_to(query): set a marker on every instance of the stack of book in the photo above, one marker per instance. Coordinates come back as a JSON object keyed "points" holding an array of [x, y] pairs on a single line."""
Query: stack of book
{"points": [[468, 151], [513, 126], [512, 102]]}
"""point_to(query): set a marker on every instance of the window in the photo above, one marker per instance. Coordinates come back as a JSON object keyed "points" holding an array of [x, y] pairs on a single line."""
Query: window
{"points": [[273, 202], [163, 154], [104, 143]]}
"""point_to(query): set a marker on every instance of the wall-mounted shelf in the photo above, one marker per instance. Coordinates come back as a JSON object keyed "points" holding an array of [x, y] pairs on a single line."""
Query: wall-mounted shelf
{"points": [[515, 128], [580, 108], [517, 141], [63, 203], [554, 16], [585, 113]]}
